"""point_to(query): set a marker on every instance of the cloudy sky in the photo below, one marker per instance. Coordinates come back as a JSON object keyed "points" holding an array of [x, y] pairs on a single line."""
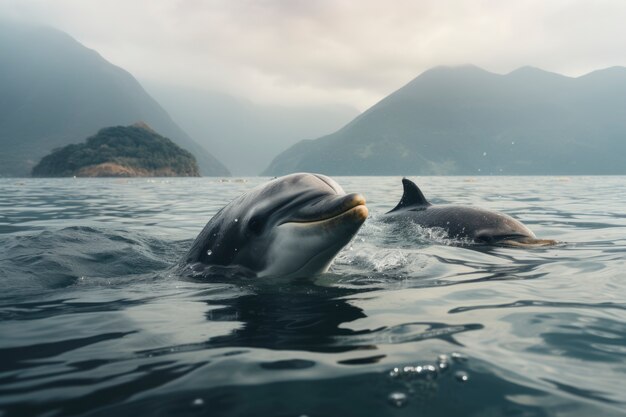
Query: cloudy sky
{"points": [[321, 51]]}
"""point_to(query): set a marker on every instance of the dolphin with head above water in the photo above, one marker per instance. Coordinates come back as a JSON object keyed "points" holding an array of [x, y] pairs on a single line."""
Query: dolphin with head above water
{"points": [[291, 226], [463, 222]]}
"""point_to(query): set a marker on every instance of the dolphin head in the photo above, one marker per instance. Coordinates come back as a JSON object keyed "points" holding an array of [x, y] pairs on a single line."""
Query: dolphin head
{"points": [[494, 228], [499, 229], [292, 225]]}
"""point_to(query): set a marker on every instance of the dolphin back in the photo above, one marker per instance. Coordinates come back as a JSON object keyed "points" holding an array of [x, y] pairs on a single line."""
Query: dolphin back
{"points": [[412, 197]]}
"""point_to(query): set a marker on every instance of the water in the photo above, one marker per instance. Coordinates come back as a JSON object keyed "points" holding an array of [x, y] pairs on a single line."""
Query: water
{"points": [[94, 320]]}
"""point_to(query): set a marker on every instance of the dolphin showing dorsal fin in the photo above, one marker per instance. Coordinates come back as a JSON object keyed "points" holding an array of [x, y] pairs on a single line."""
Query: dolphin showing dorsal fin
{"points": [[412, 196], [466, 223]]}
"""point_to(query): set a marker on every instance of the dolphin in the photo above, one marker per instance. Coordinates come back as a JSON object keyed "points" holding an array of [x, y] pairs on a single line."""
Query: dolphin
{"points": [[463, 222], [290, 226]]}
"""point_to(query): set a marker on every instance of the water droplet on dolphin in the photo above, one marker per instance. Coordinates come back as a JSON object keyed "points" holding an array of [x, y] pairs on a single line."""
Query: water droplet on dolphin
{"points": [[443, 362], [397, 399], [461, 376], [236, 220], [209, 252]]}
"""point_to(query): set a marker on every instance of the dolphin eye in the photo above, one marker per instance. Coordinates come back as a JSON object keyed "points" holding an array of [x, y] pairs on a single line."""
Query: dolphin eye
{"points": [[256, 225], [484, 238]]}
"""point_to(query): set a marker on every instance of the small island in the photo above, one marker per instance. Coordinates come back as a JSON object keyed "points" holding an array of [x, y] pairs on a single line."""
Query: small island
{"points": [[120, 151]]}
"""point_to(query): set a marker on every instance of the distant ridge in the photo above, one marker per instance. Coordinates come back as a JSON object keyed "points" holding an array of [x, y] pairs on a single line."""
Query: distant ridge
{"points": [[468, 121], [54, 91]]}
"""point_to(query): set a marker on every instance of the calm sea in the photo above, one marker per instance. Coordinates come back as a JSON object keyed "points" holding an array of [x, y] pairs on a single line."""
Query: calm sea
{"points": [[94, 320]]}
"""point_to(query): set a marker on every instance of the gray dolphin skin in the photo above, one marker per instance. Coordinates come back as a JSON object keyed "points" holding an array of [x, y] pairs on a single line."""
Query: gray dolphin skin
{"points": [[463, 222], [291, 226]]}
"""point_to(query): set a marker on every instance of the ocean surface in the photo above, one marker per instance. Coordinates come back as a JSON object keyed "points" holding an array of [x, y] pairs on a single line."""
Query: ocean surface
{"points": [[95, 320]]}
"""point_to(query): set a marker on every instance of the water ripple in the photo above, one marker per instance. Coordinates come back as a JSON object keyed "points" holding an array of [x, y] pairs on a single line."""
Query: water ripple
{"points": [[96, 319]]}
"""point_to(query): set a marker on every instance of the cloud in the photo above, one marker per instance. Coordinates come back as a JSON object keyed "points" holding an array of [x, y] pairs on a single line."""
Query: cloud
{"points": [[352, 52]]}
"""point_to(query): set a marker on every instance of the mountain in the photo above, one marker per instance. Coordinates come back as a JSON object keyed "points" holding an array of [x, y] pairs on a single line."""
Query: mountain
{"points": [[54, 91], [242, 134], [120, 151], [467, 121]]}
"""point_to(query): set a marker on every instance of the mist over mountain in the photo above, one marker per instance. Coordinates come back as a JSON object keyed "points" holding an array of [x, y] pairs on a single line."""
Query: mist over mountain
{"points": [[54, 91], [244, 135], [466, 121]]}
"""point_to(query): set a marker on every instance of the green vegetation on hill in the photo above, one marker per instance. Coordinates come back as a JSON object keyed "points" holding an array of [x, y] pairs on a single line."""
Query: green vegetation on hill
{"points": [[119, 151]]}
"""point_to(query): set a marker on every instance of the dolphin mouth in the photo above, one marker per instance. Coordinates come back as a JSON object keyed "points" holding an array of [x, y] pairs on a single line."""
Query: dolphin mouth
{"points": [[357, 213], [526, 242], [349, 206]]}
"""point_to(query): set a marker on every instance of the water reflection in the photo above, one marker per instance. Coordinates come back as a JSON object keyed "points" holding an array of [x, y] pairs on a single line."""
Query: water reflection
{"points": [[303, 317]]}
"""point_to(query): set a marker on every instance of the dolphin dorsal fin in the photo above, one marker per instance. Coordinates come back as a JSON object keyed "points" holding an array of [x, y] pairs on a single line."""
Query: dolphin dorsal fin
{"points": [[412, 196]]}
